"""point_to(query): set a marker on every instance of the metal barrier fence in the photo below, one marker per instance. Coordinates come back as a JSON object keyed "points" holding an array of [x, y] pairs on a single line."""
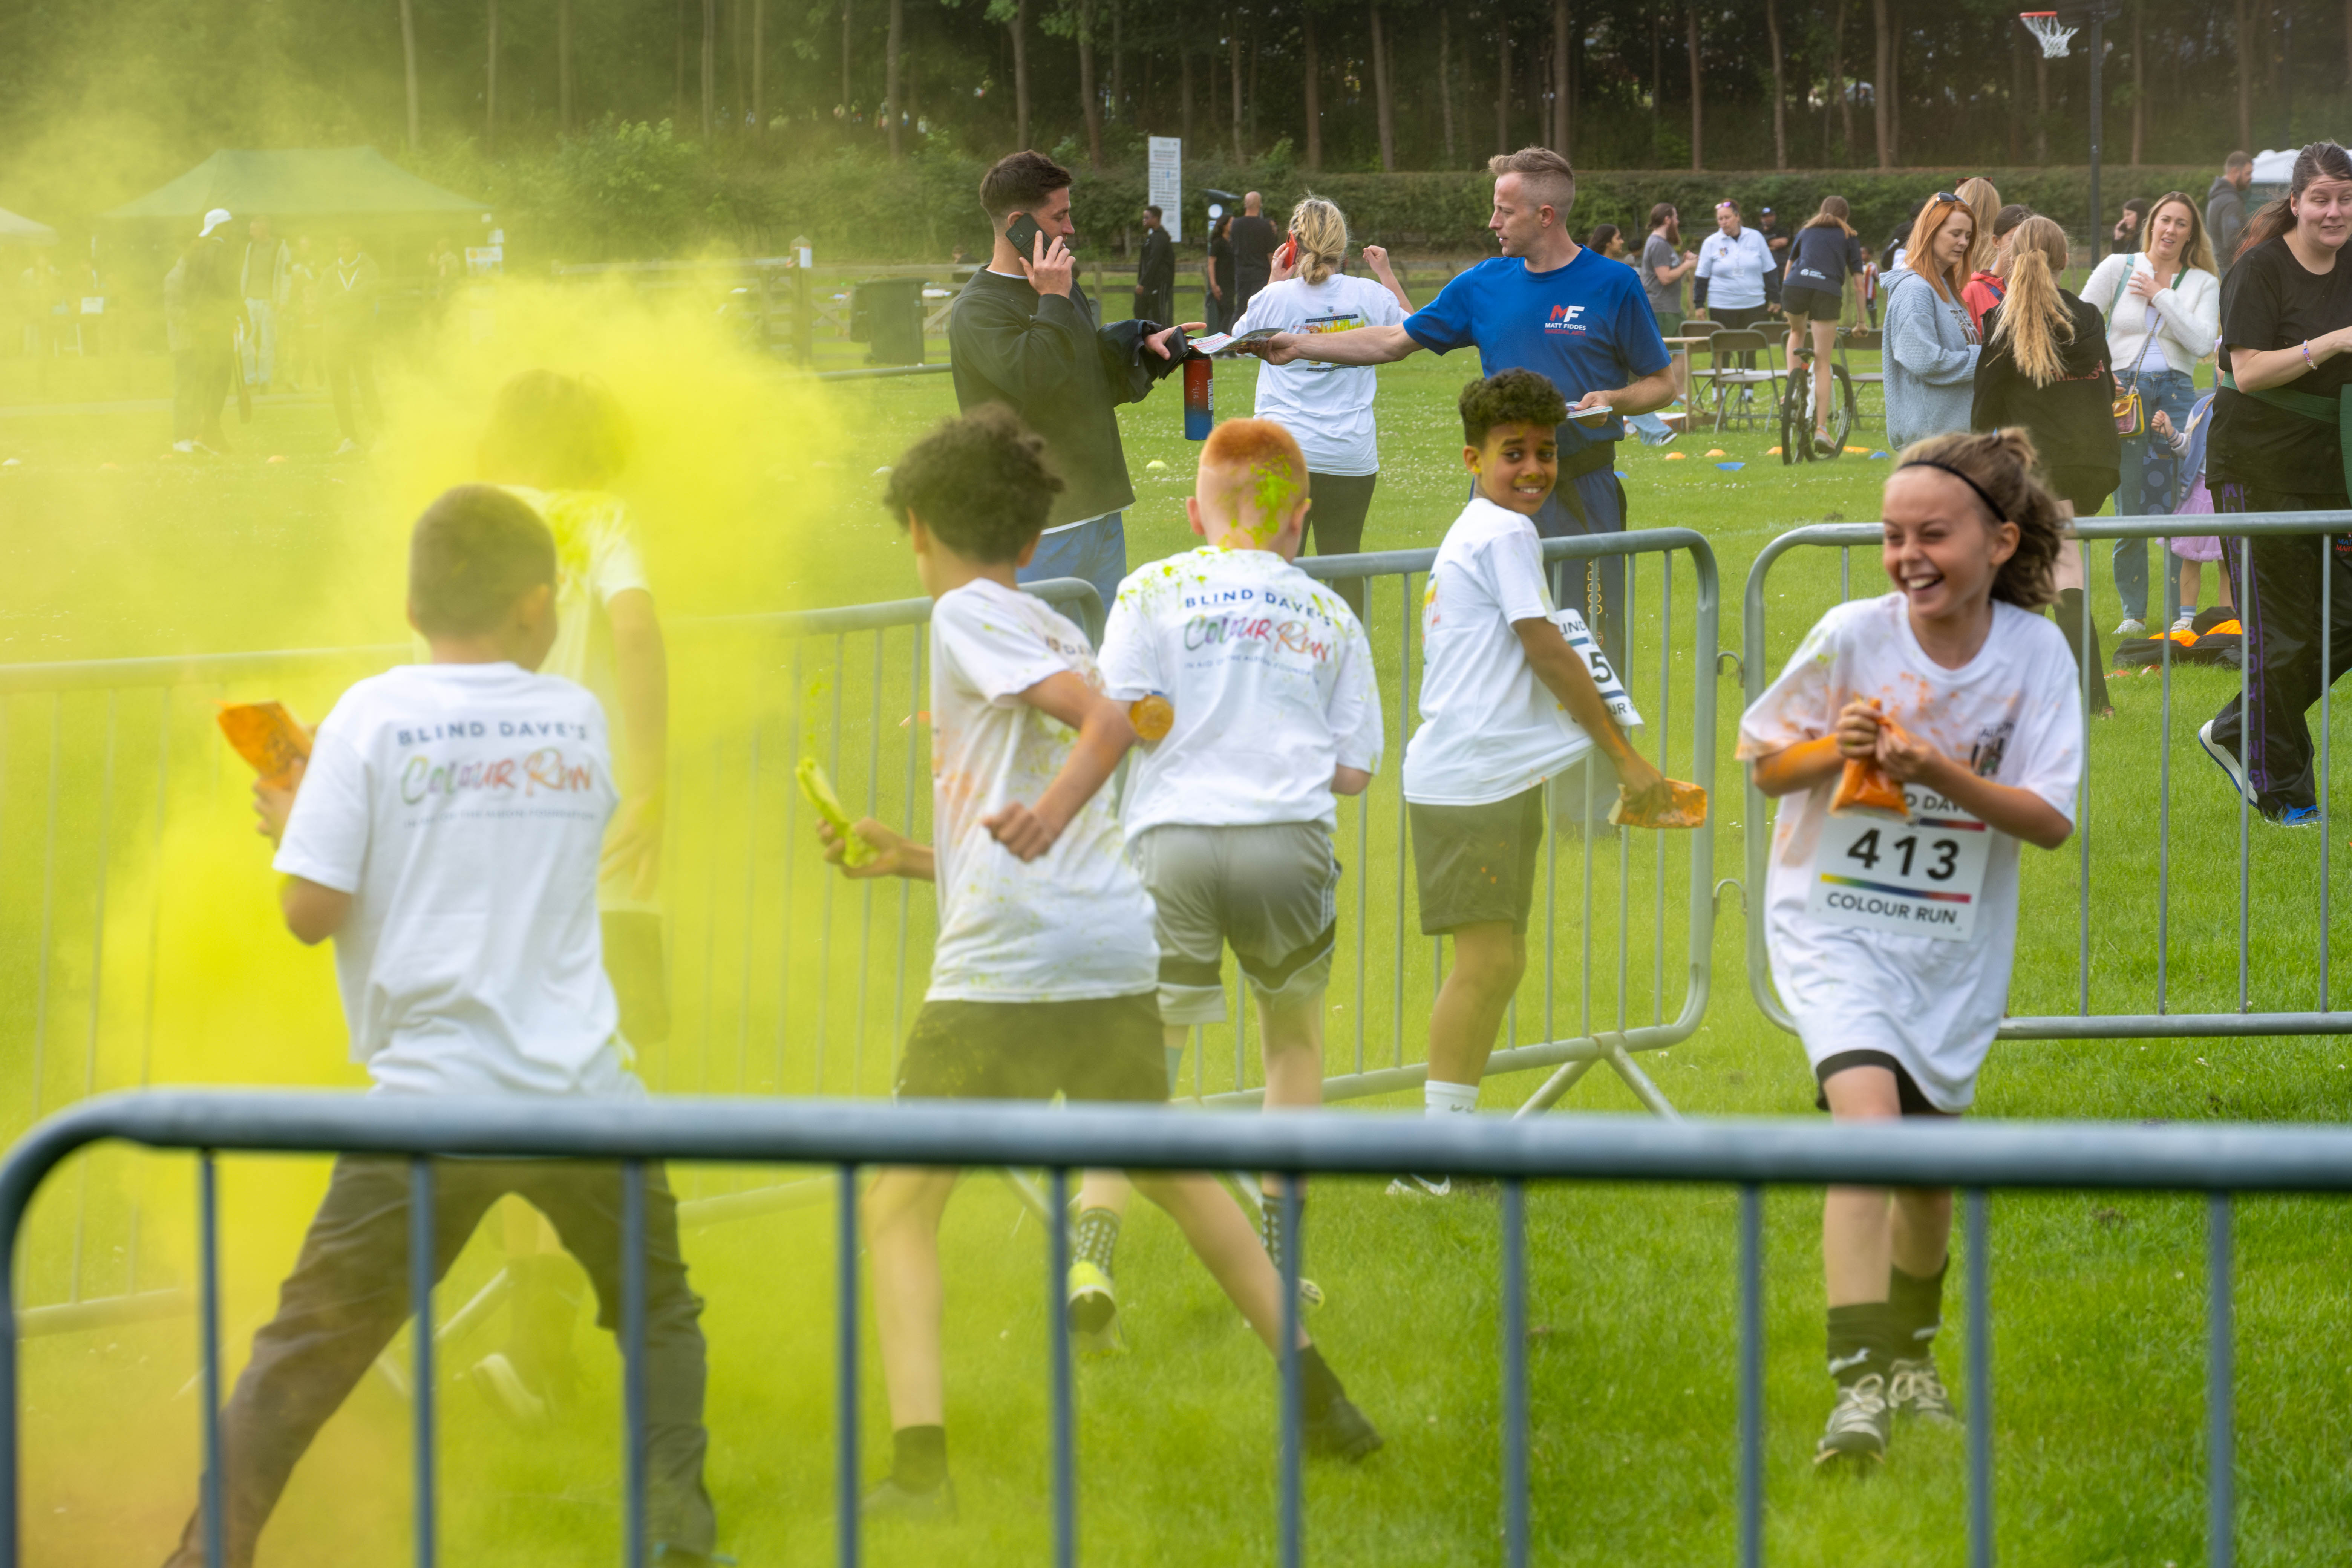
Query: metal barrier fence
{"points": [[2145, 943], [2217, 1162], [118, 801]]}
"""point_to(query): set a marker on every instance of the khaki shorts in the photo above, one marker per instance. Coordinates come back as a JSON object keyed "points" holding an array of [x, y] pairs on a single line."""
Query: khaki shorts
{"points": [[1475, 865], [1270, 890]]}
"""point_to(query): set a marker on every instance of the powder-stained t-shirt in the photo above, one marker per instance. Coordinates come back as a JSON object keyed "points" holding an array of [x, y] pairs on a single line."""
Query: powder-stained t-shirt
{"points": [[1271, 678], [1489, 727], [1074, 924], [2014, 714], [1587, 326], [2269, 301], [1327, 407], [463, 807]]}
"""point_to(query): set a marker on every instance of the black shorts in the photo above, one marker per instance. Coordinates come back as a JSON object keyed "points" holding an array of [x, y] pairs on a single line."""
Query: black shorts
{"points": [[1907, 1093], [1819, 304], [1105, 1049], [1476, 864]]}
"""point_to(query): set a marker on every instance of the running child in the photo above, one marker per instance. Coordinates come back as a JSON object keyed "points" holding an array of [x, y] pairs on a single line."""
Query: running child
{"points": [[454, 863], [1892, 936], [1044, 972], [1506, 705], [1229, 816]]}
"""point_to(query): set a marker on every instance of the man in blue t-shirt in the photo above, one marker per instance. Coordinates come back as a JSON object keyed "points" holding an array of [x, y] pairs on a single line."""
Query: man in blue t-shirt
{"points": [[1549, 305]]}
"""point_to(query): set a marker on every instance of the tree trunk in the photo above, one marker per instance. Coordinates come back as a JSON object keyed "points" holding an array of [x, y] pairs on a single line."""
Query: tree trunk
{"points": [[1559, 80], [758, 64], [1184, 95], [736, 51], [2041, 115], [1502, 87], [1880, 72], [1445, 75], [1088, 101], [2140, 79], [847, 96], [1894, 81], [1256, 56], [490, 80], [1233, 70], [408, 64], [1697, 89], [1383, 108], [1118, 59], [1021, 72], [1779, 87], [710, 63], [893, 62], [2016, 94], [1657, 84], [677, 37], [563, 66], [1837, 75], [2245, 19], [1315, 90]]}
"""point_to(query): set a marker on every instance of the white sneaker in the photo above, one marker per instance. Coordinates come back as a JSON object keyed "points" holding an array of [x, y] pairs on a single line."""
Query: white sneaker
{"points": [[350, 449], [1421, 1187], [504, 1388], [185, 448], [2187, 623], [2131, 626]]}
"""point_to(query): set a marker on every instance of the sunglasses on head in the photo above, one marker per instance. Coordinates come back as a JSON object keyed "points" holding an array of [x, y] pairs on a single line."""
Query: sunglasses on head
{"points": [[1947, 196]]}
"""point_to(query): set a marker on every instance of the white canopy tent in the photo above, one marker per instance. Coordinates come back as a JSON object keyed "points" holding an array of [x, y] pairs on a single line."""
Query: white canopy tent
{"points": [[15, 230]]}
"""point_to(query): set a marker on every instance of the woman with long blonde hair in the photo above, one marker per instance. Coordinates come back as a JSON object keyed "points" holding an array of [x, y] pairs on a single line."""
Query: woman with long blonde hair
{"points": [[2163, 308], [1327, 407], [1931, 340], [2045, 369]]}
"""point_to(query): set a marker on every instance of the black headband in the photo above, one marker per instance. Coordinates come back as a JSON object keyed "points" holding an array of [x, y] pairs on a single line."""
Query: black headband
{"points": [[1991, 505]]}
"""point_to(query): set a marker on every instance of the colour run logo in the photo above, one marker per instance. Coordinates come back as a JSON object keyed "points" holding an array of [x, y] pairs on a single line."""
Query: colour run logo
{"points": [[542, 771], [1227, 631]]}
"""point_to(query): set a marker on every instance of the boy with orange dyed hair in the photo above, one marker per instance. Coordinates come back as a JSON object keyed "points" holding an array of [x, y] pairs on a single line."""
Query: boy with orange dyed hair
{"points": [[1229, 817]]}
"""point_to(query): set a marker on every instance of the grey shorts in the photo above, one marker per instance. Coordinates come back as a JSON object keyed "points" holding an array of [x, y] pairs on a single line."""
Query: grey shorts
{"points": [[1270, 890], [1475, 865]]}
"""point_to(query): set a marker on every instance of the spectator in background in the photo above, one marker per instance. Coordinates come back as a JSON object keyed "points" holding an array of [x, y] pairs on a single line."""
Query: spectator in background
{"points": [[1218, 270], [2162, 307], [302, 346], [1984, 206], [264, 282], [444, 266], [1931, 344], [1664, 265], [1778, 243], [1985, 286], [1253, 241], [2130, 225], [1155, 272], [2045, 369], [1732, 264], [200, 319], [2225, 206], [347, 321], [1609, 240], [1022, 334], [1826, 253]]}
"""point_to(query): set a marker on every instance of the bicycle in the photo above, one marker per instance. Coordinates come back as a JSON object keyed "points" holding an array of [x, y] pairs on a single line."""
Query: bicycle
{"points": [[1797, 419]]}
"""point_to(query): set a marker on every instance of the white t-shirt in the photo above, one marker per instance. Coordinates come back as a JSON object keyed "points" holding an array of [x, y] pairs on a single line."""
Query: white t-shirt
{"points": [[1734, 268], [1329, 407], [1271, 677], [463, 806], [1489, 727], [2014, 713], [1074, 924]]}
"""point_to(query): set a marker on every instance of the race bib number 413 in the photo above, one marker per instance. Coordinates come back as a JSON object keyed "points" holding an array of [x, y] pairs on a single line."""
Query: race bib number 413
{"points": [[1923, 877]]}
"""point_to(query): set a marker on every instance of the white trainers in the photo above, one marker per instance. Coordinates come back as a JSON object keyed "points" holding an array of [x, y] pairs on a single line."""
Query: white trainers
{"points": [[185, 448], [2131, 626], [1418, 1187], [2187, 623], [1859, 1424], [350, 449], [1913, 1387]]}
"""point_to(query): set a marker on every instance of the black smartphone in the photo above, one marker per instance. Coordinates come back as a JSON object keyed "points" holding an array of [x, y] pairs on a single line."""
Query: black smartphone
{"points": [[1024, 233]]}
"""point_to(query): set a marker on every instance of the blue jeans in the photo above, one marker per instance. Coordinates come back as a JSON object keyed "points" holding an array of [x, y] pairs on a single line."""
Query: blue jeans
{"points": [[1095, 551], [2150, 487]]}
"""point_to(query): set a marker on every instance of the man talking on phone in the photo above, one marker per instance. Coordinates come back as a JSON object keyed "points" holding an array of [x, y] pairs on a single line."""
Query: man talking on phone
{"points": [[1549, 305], [1023, 335]]}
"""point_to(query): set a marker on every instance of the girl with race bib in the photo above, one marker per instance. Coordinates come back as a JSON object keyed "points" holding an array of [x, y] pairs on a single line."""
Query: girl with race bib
{"points": [[1892, 932]]}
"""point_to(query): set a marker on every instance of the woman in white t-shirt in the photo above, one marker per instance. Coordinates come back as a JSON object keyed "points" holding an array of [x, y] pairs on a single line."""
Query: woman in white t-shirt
{"points": [[1892, 934], [1733, 261], [1327, 407]]}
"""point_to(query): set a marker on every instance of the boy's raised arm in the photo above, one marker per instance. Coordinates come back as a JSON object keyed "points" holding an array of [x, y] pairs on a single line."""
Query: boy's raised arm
{"points": [[1104, 736]]}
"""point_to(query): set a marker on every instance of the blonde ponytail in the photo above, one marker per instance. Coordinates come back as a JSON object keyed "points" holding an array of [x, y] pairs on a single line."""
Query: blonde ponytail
{"points": [[1322, 232], [2034, 321]]}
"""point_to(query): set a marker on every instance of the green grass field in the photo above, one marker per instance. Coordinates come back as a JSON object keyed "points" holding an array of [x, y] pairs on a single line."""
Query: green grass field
{"points": [[2098, 1296]]}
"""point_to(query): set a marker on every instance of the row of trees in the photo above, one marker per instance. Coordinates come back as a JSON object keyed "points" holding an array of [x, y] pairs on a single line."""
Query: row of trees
{"points": [[1340, 84]]}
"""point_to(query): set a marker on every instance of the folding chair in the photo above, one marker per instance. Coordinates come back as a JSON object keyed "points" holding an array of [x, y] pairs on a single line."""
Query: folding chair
{"points": [[1745, 409], [1688, 343], [1863, 339]]}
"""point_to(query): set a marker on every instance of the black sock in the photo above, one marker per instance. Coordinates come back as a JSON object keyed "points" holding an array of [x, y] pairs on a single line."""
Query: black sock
{"points": [[1318, 1385], [919, 1461], [1915, 1306], [1862, 1341], [1094, 1238], [1269, 1225]]}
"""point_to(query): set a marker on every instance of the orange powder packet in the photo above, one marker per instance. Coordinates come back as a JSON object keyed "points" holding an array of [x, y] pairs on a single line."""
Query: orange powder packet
{"points": [[1679, 805], [1864, 789], [268, 737]]}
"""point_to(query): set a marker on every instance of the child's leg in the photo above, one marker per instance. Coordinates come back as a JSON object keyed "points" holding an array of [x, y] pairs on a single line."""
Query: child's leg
{"points": [[337, 1311], [2192, 583], [1489, 958], [1219, 1235], [543, 1305], [902, 1233]]}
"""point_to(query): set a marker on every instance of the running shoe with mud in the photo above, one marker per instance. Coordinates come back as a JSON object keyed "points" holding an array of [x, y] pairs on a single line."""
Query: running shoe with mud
{"points": [[1858, 1426], [1915, 1388]]}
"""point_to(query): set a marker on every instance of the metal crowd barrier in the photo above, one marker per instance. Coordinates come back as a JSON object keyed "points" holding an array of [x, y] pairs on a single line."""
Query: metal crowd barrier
{"points": [[2294, 920], [2217, 1160]]}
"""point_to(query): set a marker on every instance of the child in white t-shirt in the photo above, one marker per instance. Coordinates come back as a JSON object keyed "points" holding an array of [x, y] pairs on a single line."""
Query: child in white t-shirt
{"points": [[1229, 816], [1891, 938], [445, 834], [1507, 703], [1044, 977]]}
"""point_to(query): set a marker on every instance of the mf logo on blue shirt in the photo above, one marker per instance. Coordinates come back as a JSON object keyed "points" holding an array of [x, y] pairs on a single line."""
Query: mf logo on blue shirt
{"points": [[1564, 319]]}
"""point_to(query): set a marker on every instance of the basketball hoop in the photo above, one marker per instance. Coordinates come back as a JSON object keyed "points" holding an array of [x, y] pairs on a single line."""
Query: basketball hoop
{"points": [[2048, 32]]}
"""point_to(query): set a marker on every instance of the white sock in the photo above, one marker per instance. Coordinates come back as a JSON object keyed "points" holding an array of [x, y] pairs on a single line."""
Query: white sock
{"points": [[1441, 1099]]}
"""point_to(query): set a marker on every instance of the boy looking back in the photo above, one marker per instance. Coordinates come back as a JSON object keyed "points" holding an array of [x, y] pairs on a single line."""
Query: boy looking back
{"points": [[1506, 704], [1042, 978], [1229, 817], [445, 834]]}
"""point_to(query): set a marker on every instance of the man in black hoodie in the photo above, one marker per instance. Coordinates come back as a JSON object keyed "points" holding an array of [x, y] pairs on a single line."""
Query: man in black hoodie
{"points": [[1155, 271], [1023, 335]]}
